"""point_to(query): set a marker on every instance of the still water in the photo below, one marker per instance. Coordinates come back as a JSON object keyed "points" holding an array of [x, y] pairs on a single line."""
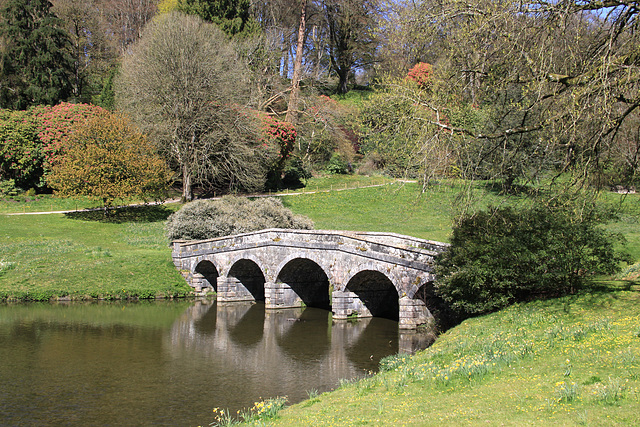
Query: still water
{"points": [[171, 363]]}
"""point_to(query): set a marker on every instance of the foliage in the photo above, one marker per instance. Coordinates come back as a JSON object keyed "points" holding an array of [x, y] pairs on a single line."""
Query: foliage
{"points": [[232, 16], [108, 159], [406, 136], [351, 37], [34, 64], [55, 125], [279, 137], [421, 74], [504, 255], [185, 86], [21, 151], [337, 164], [295, 174], [206, 219], [326, 126], [92, 44]]}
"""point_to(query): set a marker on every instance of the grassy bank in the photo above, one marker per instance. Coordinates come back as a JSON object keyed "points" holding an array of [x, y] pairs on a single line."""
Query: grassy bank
{"points": [[569, 361], [83, 256]]}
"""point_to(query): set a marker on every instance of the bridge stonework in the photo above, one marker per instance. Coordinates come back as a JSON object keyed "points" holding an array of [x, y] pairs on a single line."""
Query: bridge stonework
{"points": [[354, 274]]}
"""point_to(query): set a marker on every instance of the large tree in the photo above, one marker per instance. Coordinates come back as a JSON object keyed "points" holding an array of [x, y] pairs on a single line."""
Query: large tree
{"points": [[351, 25], [556, 84], [186, 85], [232, 16], [35, 66], [94, 53]]}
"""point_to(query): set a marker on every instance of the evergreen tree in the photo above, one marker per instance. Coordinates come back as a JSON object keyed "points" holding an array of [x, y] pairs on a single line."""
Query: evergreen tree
{"points": [[232, 16], [35, 66]]}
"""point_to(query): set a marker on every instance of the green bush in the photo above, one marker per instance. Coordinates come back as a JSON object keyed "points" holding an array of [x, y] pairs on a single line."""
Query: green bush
{"points": [[505, 255], [338, 165], [206, 219]]}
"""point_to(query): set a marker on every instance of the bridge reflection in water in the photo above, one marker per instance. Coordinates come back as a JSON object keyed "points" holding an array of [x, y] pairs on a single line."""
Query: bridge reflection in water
{"points": [[294, 347]]}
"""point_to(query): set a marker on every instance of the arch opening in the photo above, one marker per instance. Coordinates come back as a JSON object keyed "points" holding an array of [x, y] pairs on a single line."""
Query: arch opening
{"points": [[209, 274], [377, 293], [308, 281], [249, 275]]}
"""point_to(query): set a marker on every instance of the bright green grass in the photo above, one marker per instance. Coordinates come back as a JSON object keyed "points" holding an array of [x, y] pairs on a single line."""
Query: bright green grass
{"points": [[49, 256], [44, 203], [570, 361]]}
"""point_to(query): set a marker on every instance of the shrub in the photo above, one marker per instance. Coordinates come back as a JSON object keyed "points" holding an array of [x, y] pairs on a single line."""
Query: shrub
{"points": [[338, 165], [108, 159], [21, 154], [505, 255], [206, 219], [421, 74]]}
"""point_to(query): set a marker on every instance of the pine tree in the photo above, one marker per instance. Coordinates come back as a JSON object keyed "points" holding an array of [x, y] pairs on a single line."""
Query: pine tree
{"points": [[35, 66]]}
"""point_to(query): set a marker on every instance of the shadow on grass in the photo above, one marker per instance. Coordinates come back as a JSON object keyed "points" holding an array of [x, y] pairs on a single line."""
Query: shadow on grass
{"points": [[123, 214]]}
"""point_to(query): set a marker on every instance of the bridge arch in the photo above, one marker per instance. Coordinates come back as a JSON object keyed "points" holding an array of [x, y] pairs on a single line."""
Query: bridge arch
{"points": [[377, 293], [307, 280], [207, 274], [248, 277]]}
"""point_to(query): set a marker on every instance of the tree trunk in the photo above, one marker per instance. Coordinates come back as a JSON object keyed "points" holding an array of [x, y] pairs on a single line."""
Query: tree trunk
{"points": [[187, 195], [292, 107], [343, 74]]}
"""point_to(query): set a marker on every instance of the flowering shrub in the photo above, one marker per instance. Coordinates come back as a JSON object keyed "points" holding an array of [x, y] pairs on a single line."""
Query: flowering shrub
{"points": [[55, 124], [421, 74], [108, 159], [278, 140], [281, 134]]}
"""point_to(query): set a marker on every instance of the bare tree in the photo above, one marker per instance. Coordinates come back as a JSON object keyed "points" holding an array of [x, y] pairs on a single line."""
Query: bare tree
{"points": [[185, 84]]}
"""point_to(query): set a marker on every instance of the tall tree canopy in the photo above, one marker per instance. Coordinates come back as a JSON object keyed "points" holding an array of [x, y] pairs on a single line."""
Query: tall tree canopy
{"points": [[184, 83], [556, 84], [232, 16], [35, 65], [351, 28]]}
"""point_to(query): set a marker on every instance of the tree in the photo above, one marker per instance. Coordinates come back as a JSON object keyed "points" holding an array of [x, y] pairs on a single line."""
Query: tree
{"points": [[351, 44], [94, 53], [232, 16], [21, 151], [184, 84], [108, 159], [55, 125], [505, 255], [292, 106], [559, 81], [35, 66]]}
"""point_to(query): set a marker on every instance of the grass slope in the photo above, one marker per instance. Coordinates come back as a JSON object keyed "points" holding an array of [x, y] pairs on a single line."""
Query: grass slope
{"points": [[82, 256], [570, 361]]}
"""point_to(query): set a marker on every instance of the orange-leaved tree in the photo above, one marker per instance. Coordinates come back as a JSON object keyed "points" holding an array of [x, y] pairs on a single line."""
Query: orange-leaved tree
{"points": [[108, 159]]}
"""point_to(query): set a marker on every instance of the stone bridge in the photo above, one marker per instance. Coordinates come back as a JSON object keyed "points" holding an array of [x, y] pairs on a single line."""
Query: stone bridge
{"points": [[353, 274]]}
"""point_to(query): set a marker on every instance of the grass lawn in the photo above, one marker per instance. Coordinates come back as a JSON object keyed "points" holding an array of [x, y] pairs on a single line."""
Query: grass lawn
{"points": [[81, 255]]}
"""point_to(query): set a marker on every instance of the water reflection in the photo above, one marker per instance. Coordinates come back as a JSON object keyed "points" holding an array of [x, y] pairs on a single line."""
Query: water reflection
{"points": [[170, 363]]}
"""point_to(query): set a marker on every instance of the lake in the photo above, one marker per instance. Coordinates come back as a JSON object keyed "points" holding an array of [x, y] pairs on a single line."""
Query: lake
{"points": [[172, 362]]}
